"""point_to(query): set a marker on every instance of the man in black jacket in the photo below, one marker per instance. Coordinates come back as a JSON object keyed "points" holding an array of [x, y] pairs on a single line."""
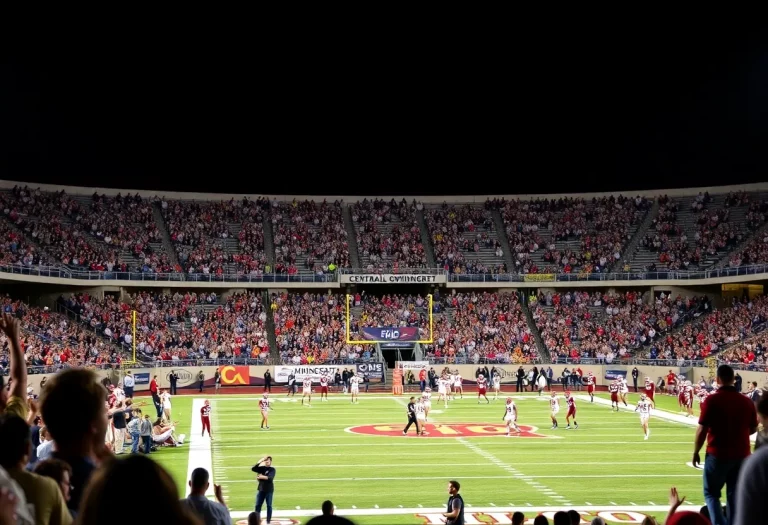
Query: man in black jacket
{"points": [[411, 413], [520, 376], [267, 382], [265, 473], [635, 373], [173, 378]]}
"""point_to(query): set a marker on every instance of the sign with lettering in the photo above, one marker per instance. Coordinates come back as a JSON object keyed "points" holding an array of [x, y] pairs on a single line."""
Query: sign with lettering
{"points": [[392, 278]]}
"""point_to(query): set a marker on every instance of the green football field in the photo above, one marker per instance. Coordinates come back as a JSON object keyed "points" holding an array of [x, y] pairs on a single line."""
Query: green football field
{"points": [[356, 456]]}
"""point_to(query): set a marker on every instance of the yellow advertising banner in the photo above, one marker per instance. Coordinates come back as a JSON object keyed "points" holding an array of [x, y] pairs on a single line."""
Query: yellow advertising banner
{"points": [[539, 277]]}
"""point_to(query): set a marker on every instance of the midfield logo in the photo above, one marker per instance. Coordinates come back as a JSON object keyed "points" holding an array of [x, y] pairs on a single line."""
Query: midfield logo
{"points": [[447, 430]]}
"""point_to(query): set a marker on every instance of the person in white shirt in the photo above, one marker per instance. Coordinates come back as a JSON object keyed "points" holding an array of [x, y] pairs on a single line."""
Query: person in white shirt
{"points": [[354, 388], [128, 384], [45, 448], [165, 399]]}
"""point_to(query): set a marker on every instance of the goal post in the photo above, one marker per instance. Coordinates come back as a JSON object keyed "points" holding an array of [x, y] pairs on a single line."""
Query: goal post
{"points": [[348, 315]]}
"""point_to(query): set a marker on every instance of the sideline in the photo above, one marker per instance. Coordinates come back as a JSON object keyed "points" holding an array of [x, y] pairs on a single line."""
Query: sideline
{"points": [[199, 448]]}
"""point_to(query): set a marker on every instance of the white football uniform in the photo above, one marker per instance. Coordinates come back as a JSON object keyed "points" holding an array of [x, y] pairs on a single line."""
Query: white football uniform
{"points": [[644, 407], [353, 384], [307, 385], [457, 381], [421, 413], [426, 399], [496, 382], [554, 405], [166, 399], [623, 387], [510, 414], [441, 386]]}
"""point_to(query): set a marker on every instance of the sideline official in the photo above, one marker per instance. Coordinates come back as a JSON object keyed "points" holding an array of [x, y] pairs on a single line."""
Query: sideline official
{"points": [[265, 473], [411, 413]]}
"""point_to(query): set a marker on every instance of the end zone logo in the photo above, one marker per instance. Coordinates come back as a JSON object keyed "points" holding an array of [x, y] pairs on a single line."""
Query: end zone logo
{"points": [[505, 518], [447, 430], [275, 521]]}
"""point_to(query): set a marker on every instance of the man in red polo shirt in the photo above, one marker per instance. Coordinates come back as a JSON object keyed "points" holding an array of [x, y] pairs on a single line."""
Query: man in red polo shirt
{"points": [[727, 420], [155, 396]]}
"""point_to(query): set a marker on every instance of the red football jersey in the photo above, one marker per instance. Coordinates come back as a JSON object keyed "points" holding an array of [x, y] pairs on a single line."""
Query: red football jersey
{"points": [[264, 404], [205, 411]]}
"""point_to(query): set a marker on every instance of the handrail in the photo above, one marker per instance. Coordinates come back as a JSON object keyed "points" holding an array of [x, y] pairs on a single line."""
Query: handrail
{"points": [[64, 272], [681, 363], [88, 275]]}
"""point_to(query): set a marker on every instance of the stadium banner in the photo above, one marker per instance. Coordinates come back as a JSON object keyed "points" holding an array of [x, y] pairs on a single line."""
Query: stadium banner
{"points": [[613, 373], [391, 333], [539, 277], [141, 378], [392, 278], [374, 371], [413, 365], [301, 371]]}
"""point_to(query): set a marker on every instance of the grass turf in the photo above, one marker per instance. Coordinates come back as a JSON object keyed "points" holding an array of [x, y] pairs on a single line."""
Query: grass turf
{"points": [[605, 463]]}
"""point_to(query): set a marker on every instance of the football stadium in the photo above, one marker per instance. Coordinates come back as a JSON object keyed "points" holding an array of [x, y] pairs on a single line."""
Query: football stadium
{"points": [[390, 284], [208, 305]]}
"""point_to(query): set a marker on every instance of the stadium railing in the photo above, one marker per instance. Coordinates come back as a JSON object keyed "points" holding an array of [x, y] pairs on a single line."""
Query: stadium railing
{"points": [[483, 361], [65, 272], [680, 363]]}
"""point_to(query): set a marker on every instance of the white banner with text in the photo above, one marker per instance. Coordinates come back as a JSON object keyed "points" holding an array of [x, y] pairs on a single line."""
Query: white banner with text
{"points": [[392, 278]]}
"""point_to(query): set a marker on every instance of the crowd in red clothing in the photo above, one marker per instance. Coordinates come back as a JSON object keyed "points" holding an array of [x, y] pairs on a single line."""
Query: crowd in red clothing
{"points": [[310, 328], [199, 230], [401, 247], [448, 225], [174, 327], [309, 237], [482, 326], [52, 340], [608, 325]]}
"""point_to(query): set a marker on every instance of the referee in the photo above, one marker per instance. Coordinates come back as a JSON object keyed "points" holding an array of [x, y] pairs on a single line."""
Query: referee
{"points": [[265, 473], [411, 417]]}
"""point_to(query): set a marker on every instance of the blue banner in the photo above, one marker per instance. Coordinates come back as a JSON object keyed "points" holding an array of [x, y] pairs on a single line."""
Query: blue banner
{"points": [[141, 379], [391, 333], [615, 374]]}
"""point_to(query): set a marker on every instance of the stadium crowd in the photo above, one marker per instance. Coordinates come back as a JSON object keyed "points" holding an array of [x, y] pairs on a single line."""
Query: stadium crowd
{"points": [[606, 326], [176, 327], [199, 231], [448, 225], [481, 326], [398, 247], [309, 237], [310, 329]]}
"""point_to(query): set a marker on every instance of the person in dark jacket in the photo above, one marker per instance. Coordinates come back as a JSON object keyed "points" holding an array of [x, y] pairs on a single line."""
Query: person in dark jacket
{"points": [[265, 473], [267, 382]]}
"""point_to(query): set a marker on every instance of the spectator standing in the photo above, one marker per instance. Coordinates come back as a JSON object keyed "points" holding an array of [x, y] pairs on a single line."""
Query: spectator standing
{"points": [[726, 422], [145, 431], [79, 434], [200, 380], [58, 471], [753, 479], [265, 473], [635, 373], [133, 428], [454, 514], [40, 492], [520, 377], [211, 512], [174, 379], [156, 396], [128, 384], [13, 401], [267, 382]]}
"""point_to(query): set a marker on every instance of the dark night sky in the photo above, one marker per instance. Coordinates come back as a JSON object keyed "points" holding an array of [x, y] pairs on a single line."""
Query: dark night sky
{"points": [[615, 109]]}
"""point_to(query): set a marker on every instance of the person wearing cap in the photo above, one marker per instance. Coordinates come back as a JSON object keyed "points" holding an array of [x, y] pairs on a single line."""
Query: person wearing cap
{"points": [[14, 401]]}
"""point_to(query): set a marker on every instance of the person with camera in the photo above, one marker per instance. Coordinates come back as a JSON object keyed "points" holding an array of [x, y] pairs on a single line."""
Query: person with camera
{"points": [[265, 473]]}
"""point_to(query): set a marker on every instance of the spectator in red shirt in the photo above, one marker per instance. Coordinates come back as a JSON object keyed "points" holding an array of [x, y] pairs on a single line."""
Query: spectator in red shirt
{"points": [[155, 396], [727, 420]]}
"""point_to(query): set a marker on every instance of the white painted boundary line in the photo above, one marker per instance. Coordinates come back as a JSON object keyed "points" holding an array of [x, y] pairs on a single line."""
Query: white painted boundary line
{"points": [[241, 514], [519, 476], [199, 447]]}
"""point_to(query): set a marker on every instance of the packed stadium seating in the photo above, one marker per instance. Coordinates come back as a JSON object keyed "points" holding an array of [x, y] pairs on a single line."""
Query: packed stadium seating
{"points": [[309, 237], [488, 327], [465, 240], [607, 326], [388, 235]]}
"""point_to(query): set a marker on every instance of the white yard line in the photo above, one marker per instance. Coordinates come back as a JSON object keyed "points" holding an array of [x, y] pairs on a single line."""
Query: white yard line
{"points": [[241, 514], [336, 465], [517, 475], [199, 447], [447, 441]]}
